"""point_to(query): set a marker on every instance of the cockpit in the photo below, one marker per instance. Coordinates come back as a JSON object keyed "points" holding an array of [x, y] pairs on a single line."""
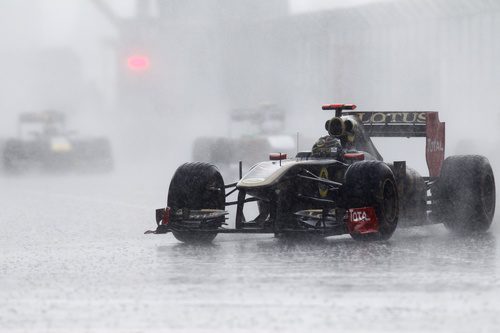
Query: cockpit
{"points": [[345, 138]]}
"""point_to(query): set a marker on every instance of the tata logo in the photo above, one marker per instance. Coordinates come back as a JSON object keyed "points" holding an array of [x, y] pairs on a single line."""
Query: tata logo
{"points": [[434, 146], [359, 216], [392, 117]]}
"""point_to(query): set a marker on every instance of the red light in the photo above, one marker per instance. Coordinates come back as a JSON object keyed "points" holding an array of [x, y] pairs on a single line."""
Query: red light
{"points": [[138, 62]]}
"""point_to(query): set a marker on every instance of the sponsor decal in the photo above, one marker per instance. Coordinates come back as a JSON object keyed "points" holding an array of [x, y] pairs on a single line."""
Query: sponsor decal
{"points": [[362, 220], [323, 189], [359, 216], [392, 117], [434, 146]]}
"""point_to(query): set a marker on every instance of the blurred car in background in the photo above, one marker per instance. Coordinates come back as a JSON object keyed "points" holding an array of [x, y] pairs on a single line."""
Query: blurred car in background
{"points": [[44, 143], [253, 133]]}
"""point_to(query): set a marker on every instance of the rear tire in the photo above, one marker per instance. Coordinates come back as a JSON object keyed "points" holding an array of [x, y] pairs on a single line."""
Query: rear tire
{"points": [[196, 185], [372, 184], [465, 194], [14, 156]]}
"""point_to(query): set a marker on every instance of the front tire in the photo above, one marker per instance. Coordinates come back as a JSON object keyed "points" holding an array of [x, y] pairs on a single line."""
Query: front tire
{"points": [[196, 185], [465, 194], [372, 184]]}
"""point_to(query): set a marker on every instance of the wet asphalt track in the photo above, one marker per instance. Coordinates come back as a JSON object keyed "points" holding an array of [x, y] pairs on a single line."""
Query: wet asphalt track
{"points": [[74, 258]]}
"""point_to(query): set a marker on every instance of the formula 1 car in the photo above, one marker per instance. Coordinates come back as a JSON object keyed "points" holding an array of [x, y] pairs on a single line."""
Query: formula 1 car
{"points": [[342, 186], [43, 143], [256, 132]]}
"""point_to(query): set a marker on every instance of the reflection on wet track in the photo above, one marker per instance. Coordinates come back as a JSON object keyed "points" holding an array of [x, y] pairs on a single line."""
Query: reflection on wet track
{"points": [[74, 259]]}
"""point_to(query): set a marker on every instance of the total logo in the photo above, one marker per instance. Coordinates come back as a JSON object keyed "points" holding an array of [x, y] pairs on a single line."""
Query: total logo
{"points": [[362, 220], [359, 216], [434, 145]]}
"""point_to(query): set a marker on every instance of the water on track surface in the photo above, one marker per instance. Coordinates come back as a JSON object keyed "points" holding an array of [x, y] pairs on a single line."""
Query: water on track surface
{"points": [[74, 259]]}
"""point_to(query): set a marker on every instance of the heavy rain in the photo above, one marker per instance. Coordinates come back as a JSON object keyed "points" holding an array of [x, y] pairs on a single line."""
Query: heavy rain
{"points": [[102, 100]]}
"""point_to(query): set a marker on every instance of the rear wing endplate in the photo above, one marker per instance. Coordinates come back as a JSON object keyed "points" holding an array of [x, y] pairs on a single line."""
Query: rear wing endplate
{"points": [[409, 124]]}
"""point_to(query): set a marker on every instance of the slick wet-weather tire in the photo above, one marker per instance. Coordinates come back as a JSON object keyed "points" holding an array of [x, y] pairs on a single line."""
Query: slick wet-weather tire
{"points": [[13, 156], [196, 185], [372, 184], [464, 195]]}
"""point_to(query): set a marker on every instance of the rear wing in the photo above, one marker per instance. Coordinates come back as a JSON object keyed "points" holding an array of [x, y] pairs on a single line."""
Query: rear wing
{"points": [[42, 117], [258, 115], [409, 124]]}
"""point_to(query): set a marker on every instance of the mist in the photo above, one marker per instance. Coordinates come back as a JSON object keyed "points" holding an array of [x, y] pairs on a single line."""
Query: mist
{"points": [[155, 79], [209, 59]]}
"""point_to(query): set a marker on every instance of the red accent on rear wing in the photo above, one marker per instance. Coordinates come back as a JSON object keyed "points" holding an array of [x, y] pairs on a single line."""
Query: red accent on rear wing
{"points": [[409, 124], [434, 144]]}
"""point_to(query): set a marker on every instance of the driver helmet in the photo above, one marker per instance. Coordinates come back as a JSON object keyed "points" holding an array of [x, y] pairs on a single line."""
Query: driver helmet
{"points": [[326, 146]]}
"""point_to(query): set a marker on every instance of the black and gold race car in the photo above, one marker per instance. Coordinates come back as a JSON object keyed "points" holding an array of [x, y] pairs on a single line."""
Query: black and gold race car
{"points": [[43, 143], [341, 186]]}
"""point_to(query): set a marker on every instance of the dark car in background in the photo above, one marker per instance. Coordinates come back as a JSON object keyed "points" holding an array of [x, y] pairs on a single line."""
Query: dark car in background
{"points": [[252, 133], [43, 143]]}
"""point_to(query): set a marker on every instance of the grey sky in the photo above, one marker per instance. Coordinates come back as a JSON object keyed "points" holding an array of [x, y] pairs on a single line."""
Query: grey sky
{"points": [[311, 5]]}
